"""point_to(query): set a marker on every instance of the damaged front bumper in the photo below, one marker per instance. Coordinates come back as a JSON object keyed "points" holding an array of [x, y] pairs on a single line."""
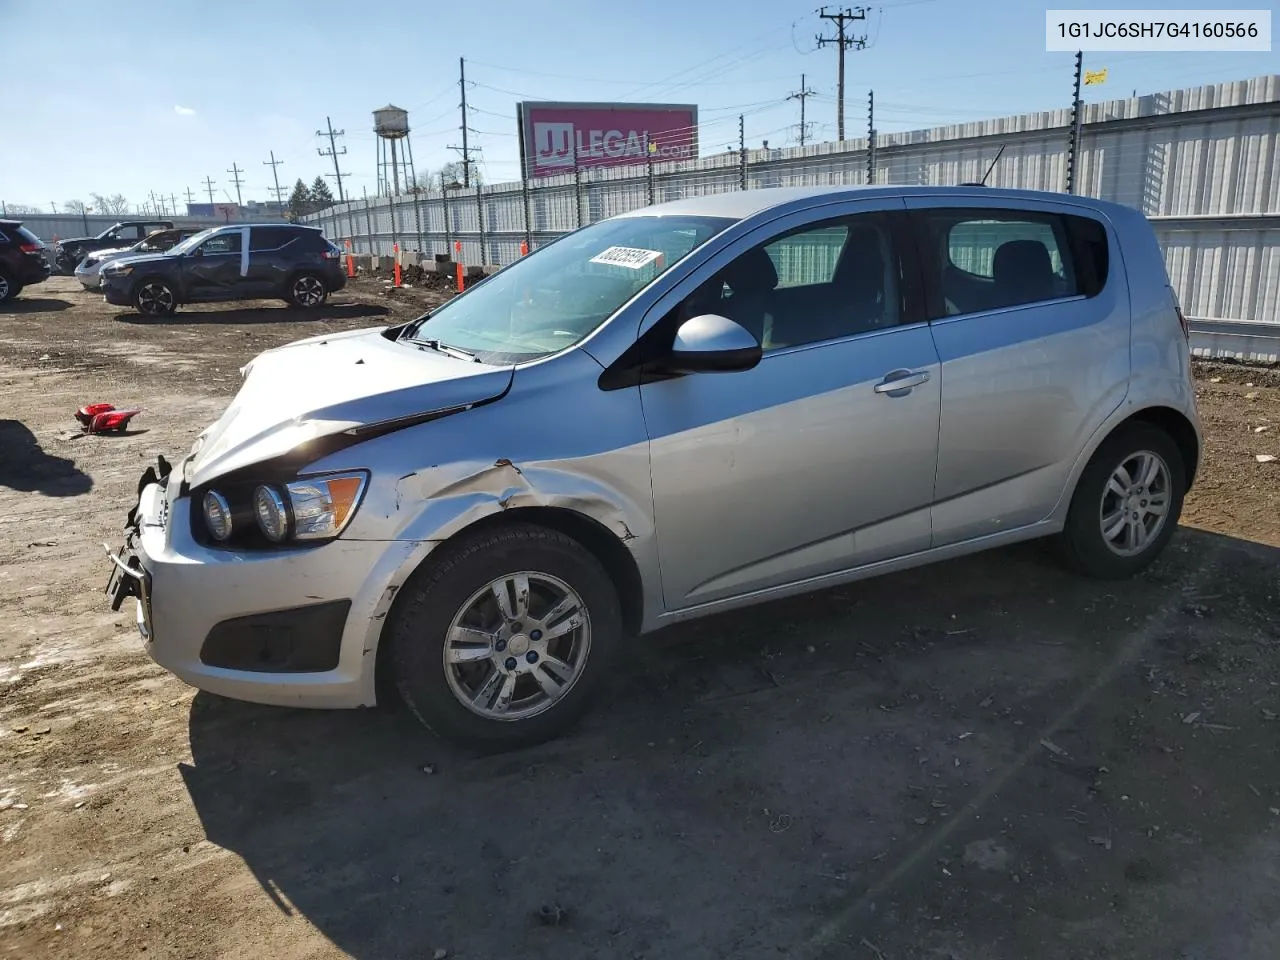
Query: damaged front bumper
{"points": [[287, 626]]}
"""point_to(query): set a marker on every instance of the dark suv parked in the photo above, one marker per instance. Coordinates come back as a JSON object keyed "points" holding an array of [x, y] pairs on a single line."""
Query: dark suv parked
{"points": [[257, 261], [22, 259], [69, 252]]}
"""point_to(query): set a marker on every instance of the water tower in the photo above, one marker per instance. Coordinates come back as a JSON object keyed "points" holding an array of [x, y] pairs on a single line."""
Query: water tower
{"points": [[391, 124]]}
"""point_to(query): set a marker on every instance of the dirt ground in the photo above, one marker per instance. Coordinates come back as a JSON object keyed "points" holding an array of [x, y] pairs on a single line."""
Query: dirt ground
{"points": [[984, 760]]}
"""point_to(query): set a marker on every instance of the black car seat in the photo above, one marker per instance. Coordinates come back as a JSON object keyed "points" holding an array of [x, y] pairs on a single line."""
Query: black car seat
{"points": [[751, 279], [1022, 272], [859, 282]]}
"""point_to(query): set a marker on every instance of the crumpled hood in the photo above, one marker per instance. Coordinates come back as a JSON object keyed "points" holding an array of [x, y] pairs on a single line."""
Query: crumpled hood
{"points": [[332, 383], [144, 259]]}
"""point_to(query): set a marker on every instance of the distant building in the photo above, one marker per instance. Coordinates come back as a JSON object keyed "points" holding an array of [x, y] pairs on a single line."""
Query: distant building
{"points": [[227, 212]]}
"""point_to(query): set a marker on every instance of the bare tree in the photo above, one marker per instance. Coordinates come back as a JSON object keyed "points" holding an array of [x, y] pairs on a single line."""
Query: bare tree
{"points": [[20, 209], [116, 204], [78, 207]]}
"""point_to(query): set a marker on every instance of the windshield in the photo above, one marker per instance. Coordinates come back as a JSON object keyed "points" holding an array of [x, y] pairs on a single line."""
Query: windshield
{"points": [[557, 296], [194, 240]]}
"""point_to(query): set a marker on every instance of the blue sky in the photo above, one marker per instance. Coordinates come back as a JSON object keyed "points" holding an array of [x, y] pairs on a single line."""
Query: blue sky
{"points": [[132, 96]]}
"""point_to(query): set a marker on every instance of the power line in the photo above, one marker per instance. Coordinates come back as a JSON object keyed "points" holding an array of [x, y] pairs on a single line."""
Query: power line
{"points": [[273, 163], [842, 43], [334, 152], [208, 185], [802, 94], [235, 172]]}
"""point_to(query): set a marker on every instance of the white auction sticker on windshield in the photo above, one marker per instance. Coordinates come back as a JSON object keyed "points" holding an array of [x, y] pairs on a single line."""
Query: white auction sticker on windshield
{"points": [[633, 257]]}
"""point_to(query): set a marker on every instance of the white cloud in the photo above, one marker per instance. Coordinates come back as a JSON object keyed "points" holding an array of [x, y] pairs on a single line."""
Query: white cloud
{"points": [[184, 111]]}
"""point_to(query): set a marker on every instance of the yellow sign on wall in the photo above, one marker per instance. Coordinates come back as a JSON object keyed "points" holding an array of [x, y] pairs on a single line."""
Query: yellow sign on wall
{"points": [[1095, 76]]}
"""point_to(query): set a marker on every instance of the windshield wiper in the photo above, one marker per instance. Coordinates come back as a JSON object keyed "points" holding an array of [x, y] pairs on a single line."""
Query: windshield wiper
{"points": [[447, 349]]}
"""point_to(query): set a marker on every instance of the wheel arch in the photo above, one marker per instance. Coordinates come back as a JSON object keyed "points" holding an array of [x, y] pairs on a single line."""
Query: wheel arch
{"points": [[1180, 430], [594, 537], [302, 270], [1170, 420]]}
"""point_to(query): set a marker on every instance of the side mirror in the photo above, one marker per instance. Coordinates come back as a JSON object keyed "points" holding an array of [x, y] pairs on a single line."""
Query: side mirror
{"points": [[712, 344]]}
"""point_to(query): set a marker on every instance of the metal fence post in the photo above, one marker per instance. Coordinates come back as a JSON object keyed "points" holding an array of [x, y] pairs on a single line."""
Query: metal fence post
{"points": [[577, 192], [368, 221], [649, 179], [417, 218], [528, 213], [444, 205], [484, 258], [742, 154], [395, 232]]}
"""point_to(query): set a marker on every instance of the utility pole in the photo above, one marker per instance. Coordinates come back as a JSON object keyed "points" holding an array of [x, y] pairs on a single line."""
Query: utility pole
{"points": [[235, 172], [273, 163], [208, 185], [842, 43], [173, 204], [158, 207], [871, 136], [464, 149], [802, 94], [190, 198], [334, 152], [1073, 148]]}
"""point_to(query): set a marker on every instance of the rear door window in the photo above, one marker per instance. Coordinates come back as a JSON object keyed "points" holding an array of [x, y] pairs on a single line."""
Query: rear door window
{"points": [[995, 259]]}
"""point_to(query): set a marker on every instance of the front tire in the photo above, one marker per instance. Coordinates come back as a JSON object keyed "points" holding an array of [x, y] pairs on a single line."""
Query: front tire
{"points": [[154, 298], [1126, 505], [307, 291], [501, 641]]}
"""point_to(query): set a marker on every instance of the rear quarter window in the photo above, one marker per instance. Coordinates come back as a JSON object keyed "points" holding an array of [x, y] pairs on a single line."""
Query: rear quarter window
{"points": [[270, 238], [998, 258]]}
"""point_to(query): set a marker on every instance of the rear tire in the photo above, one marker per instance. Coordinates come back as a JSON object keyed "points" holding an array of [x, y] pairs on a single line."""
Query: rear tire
{"points": [[497, 675], [1126, 504], [9, 288], [307, 290], [154, 297]]}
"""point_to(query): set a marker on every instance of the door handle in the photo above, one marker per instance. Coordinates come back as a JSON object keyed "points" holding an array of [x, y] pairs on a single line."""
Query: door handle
{"points": [[897, 380]]}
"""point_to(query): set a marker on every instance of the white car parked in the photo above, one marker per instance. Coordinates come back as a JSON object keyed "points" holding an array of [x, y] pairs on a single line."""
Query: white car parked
{"points": [[89, 271]]}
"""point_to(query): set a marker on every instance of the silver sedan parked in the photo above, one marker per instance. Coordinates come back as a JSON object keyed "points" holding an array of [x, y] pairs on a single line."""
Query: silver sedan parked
{"points": [[678, 411]]}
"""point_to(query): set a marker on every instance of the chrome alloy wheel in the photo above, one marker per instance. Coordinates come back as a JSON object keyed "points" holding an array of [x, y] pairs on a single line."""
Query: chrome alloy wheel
{"points": [[308, 291], [1135, 503], [155, 298], [517, 646]]}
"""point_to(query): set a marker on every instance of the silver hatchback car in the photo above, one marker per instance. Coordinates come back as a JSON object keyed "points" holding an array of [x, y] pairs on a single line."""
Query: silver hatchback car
{"points": [[677, 411]]}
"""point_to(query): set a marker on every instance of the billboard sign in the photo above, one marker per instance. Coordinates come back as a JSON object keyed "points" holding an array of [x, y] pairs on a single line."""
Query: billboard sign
{"points": [[556, 138], [220, 211]]}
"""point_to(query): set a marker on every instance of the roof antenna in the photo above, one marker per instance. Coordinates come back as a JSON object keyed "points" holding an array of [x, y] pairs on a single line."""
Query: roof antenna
{"points": [[983, 181], [993, 164]]}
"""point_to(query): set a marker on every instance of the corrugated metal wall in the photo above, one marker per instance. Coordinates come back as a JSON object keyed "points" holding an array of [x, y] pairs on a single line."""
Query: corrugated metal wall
{"points": [[1201, 162]]}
